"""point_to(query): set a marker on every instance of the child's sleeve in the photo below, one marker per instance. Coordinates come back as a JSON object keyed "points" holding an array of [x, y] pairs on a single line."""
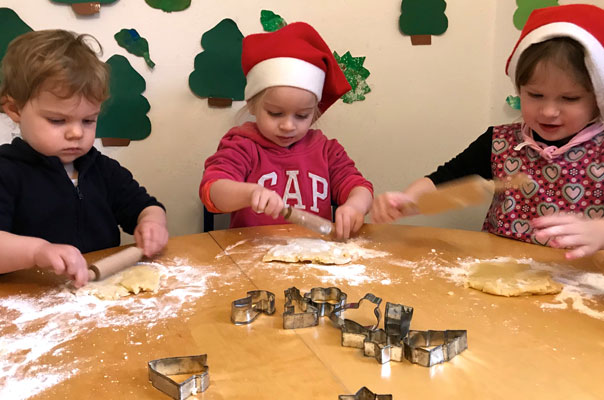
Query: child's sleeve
{"points": [[343, 174], [128, 199], [8, 182], [233, 160], [474, 160]]}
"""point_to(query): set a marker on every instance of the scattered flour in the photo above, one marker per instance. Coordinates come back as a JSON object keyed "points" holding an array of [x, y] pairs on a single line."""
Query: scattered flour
{"points": [[43, 325], [352, 274], [353, 247]]}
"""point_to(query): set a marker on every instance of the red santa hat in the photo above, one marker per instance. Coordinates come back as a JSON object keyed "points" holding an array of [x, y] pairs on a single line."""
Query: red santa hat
{"points": [[297, 56], [581, 22]]}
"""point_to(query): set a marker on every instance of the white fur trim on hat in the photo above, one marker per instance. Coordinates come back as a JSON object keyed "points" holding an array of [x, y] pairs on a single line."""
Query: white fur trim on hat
{"points": [[284, 71], [594, 52]]}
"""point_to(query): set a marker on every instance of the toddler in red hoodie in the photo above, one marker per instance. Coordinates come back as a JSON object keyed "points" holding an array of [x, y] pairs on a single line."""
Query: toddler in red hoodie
{"points": [[260, 167]]}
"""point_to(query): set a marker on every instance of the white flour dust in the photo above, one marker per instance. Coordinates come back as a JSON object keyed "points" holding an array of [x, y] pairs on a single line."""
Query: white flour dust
{"points": [[352, 247], [579, 292], [43, 325]]}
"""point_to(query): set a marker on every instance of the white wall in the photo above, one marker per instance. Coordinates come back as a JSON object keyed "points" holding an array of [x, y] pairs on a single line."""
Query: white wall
{"points": [[427, 102]]}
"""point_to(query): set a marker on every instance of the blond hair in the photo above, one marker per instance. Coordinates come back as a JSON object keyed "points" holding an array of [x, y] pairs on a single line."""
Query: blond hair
{"points": [[60, 61]]}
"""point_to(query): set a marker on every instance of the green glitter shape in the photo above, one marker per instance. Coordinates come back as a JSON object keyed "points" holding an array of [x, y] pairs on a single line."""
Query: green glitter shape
{"points": [[169, 5], [12, 26], [526, 7], [423, 17], [270, 21], [124, 114], [130, 40], [355, 74], [513, 101]]}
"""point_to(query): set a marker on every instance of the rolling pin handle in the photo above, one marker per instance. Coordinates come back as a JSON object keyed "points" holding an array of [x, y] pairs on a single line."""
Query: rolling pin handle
{"points": [[115, 262], [92, 274]]}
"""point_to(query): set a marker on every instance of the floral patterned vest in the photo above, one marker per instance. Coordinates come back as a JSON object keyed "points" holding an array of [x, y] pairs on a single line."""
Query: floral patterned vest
{"points": [[571, 183]]}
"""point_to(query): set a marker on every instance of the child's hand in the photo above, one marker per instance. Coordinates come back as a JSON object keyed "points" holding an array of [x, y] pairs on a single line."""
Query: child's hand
{"points": [[263, 200], [151, 236], [64, 260], [348, 220], [584, 236], [391, 206]]}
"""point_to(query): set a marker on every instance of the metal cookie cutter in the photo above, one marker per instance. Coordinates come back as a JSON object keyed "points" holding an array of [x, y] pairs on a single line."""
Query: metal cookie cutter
{"points": [[353, 333], [447, 344], [246, 310], [397, 320], [365, 394], [383, 347], [326, 299], [298, 313], [336, 317], [160, 371], [386, 345]]}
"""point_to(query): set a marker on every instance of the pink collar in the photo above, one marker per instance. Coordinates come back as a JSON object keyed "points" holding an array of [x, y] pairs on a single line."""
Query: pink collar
{"points": [[551, 152]]}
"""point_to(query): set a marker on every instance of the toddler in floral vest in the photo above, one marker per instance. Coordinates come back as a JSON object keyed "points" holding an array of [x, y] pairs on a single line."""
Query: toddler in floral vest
{"points": [[557, 67]]}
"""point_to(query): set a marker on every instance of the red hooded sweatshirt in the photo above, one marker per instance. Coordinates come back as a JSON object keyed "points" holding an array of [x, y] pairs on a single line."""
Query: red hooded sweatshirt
{"points": [[307, 175]]}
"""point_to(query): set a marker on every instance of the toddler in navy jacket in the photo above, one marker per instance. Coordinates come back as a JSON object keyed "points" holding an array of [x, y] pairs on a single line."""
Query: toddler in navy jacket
{"points": [[60, 197]]}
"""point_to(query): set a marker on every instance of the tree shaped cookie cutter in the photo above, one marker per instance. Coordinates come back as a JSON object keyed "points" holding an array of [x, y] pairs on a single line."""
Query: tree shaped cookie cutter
{"points": [[429, 348], [386, 345], [247, 309], [298, 311], [162, 369], [365, 394]]}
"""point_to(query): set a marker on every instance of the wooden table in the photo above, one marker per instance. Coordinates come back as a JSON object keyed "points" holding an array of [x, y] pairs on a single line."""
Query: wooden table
{"points": [[517, 348]]}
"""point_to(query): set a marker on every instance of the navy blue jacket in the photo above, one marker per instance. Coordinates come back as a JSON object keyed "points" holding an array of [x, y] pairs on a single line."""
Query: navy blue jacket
{"points": [[37, 198]]}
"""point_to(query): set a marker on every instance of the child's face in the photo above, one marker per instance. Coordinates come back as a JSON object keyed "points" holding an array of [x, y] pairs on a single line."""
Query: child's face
{"points": [[54, 126], [285, 114], [554, 104]]}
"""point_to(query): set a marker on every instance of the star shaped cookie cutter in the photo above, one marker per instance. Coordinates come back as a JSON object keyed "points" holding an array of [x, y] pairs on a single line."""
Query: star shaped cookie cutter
{"points": [[365, 394], [429, 348], [247, 309], [161, 370]]}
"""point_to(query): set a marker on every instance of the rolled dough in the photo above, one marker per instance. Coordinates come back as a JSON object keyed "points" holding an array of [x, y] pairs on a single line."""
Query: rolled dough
{"points": [[312, 250], [139, 278], [511, 279]]}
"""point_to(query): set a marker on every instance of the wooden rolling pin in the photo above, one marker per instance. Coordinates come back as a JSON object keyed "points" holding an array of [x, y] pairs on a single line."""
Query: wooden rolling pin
{"points": [[308, 220], [469, 191], [114, 263]]}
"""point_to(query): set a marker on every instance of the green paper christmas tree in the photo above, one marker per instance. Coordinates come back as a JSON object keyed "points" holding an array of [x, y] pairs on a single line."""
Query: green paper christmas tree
{"points": [[422, 18], [356, 75], [12, 26], [85, 7], [270, 21], [124, 114], [217, 72], [169, 5], [526, 7], [130, 40]]}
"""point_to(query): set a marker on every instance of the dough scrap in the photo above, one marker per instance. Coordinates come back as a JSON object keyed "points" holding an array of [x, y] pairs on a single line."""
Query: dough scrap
{"points": [[139, 278], [511, 279], [313, 250]]}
